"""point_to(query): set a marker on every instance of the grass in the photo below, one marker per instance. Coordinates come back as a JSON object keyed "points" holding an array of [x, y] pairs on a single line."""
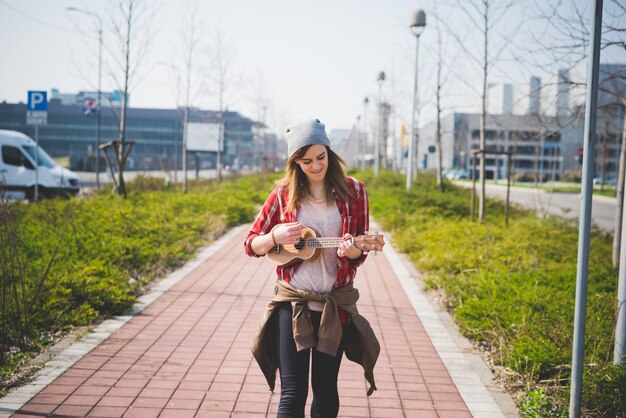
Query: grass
{"points": [[511, 290], [68, 263]]}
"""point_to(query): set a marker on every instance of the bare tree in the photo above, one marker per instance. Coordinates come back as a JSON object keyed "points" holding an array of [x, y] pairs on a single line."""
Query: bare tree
{"points": [[262, 102], [484, 16], [224, 80], [131, 24], [441, 80], [568, 47], [191, 78]]}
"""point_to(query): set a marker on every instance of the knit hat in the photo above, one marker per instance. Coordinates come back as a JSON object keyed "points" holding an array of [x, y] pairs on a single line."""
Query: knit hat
{"points": [[305, 133]]}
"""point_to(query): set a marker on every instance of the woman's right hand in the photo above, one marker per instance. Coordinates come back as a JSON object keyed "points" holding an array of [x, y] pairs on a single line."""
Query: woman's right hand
{"points": [[287, 233]]}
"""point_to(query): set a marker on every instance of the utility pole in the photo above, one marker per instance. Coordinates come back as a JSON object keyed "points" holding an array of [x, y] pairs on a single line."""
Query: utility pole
{"points": [[379, 136], [364, 138], [582, 271]]}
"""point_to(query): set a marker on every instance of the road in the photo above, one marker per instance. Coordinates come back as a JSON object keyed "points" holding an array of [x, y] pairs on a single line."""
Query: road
{"points": [[566, 205]]}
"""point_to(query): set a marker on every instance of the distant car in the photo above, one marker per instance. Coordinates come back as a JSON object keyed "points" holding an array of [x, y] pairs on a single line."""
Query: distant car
{"points": [[462, 174], [611, 181], [457, 174]]}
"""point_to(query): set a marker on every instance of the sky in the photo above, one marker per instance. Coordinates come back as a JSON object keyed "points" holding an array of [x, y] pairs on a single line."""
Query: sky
{"points": [[291, 60]]}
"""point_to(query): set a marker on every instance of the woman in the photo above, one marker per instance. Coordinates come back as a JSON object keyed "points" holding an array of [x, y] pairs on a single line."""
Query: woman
{"points": [[313, 312]]}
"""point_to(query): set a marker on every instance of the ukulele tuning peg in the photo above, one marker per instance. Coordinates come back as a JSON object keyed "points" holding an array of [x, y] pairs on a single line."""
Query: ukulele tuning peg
{"points": [[375, 253], [376, 232], [365, 252], [366, 232]]}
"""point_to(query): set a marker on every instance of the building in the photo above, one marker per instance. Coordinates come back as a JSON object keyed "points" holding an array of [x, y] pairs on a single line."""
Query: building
{"points": [[610, 119], [109, 98], [157, 135], [534, 96], [500, 99], [543, 145], [539, 146], [562, 93]]}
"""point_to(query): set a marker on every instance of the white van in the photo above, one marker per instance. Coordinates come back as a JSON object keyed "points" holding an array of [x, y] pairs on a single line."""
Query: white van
{"points": [[17, 169]]}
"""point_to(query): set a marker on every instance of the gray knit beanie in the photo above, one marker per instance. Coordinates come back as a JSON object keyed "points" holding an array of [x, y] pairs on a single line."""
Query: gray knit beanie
{"points": [[305, 133]]}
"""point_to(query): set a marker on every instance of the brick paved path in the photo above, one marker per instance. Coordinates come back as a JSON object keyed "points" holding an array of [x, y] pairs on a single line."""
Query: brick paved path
{"points": [[187, 354]]}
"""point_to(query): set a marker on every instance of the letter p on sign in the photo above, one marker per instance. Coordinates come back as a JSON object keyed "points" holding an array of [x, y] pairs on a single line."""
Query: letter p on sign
{"points": [[37, 100]]}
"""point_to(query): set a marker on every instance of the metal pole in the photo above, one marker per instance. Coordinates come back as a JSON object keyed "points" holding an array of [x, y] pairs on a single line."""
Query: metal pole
{"points": [[411, 153], [364, 139], [578, 351], [185, 137], [473, 199], [619, 350], [36, 163], [508, 188], [379, 134], [99, 108]]}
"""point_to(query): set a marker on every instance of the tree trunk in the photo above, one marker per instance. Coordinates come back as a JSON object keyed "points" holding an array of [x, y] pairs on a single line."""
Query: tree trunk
{"points": [[185, 139], [483, 122], [120, 184]]}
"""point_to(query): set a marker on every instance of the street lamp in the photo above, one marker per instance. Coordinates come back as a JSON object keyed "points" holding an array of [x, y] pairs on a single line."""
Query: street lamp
{"points": [[98, 107], [381, 79], [364, 138], [418, 23]]}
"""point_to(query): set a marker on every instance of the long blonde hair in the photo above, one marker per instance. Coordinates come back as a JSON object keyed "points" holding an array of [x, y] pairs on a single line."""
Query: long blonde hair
{"points": [[297, 182]]}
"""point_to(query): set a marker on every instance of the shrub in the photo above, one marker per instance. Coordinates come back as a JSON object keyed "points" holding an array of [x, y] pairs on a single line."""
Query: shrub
{"points": [[65, 263]]}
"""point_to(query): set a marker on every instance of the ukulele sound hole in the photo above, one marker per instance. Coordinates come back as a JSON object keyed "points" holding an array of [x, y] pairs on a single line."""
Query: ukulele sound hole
{"points": [[300, 245]]}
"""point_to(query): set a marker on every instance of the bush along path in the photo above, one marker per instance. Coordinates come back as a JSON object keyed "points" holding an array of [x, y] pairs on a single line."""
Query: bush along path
{"points": [[68, 263], [511, 290]]}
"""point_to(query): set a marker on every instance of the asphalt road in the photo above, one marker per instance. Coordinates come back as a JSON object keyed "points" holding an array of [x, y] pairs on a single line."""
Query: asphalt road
{"points": [[566, 205]]}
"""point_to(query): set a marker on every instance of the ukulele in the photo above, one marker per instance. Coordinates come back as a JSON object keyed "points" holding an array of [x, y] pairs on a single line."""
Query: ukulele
{"points": [[310, 246]]}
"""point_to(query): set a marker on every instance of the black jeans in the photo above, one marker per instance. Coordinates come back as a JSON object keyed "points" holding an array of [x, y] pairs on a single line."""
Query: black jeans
{"points": [[294, 371]]}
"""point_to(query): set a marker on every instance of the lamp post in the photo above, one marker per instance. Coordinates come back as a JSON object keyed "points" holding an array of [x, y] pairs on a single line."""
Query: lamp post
{"points": [[364, 138], [381, 79], [98, 107], [418, 23]]}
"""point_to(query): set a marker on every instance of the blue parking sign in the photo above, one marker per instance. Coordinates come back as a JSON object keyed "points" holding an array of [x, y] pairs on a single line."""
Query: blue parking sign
{"points": [[37, 100]]}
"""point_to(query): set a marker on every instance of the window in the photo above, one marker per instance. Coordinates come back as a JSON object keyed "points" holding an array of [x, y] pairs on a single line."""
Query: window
{"points": [[13, 156], [44, 159]]}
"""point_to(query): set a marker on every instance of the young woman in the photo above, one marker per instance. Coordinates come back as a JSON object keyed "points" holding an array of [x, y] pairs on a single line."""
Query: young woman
{"points": [[313, 313]]}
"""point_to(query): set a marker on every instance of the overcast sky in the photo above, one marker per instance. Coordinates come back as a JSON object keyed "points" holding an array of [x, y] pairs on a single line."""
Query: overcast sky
{"points": [[295, 59]]}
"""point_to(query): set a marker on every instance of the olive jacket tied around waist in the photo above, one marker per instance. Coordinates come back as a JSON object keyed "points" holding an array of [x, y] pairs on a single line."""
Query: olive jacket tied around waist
{"points": [[361, 345]]}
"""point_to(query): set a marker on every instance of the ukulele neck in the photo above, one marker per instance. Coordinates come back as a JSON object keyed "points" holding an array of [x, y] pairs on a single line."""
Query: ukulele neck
{"points": [[321, 242]]}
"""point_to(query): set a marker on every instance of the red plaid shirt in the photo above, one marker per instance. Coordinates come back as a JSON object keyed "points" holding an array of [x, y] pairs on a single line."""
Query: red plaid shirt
{"points": [[355, 216]]}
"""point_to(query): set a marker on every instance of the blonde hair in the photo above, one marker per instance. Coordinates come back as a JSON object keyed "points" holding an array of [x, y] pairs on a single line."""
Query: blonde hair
{"points": [[297, 182]]}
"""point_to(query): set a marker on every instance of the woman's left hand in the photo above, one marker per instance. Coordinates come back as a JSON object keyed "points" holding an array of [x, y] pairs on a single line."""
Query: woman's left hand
{"points": [[346, 249]]}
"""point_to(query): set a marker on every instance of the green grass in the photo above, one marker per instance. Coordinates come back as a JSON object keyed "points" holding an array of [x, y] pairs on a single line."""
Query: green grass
{"points": [[511, 289], [101, 252]]}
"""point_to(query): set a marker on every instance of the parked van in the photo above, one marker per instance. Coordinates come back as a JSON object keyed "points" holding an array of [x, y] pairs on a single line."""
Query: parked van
{"points": [[17, 169]]}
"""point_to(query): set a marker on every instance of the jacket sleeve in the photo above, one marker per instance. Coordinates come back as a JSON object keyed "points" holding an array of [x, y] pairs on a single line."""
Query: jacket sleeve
{"points": [[268, 217], [363, 219]]}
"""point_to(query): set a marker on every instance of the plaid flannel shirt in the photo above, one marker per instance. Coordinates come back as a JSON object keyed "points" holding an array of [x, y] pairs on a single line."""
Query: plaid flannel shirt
{"points": [[355, 216]]}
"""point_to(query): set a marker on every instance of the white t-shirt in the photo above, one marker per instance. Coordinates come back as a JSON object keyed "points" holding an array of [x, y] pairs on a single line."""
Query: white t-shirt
{"points": [[319, 275]]}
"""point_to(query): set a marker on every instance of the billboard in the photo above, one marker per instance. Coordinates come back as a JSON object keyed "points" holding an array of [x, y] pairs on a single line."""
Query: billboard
{"points": [[203, 136]]}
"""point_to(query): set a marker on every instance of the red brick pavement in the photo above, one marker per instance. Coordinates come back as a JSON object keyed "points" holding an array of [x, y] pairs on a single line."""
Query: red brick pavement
{"points": [[187, 354]]}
